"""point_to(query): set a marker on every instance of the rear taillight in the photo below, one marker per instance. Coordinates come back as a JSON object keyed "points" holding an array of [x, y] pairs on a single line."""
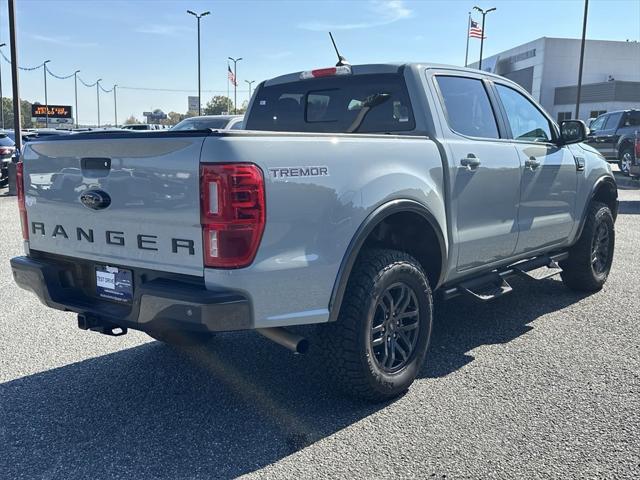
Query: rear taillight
{"points": [[21, 204], [637, 149], [232, 213], [326, 72]]}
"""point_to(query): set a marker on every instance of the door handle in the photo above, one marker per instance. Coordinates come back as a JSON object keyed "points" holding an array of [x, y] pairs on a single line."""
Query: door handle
{"points": [[471, 162], [531, 163]]}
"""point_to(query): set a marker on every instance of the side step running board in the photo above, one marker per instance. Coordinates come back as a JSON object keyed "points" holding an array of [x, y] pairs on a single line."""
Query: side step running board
{"points": [[550, 270], [486, 291], [494, 284]]}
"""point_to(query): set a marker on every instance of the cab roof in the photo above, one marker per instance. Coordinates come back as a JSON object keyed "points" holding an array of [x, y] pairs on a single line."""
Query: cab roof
{"points": [[372, 68]]}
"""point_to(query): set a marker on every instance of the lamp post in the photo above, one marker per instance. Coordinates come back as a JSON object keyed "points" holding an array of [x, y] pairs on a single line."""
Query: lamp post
{"points": [[484, 14], [235, 84], [1, 102], [584, 37], [46, 101], [198, 17], [250, 83], [115, 104], [98, 98], [75, 83]]}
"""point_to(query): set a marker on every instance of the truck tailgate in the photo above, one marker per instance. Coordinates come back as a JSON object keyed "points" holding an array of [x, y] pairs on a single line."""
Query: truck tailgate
{"points": [[128, 199]]}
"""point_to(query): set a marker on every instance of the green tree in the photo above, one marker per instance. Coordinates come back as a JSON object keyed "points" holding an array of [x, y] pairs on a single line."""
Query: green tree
{"points": [[174, 118], [25, 112], [218, 105], [243, 109]]}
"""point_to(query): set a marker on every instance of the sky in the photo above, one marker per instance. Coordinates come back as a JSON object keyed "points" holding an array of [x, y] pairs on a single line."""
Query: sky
{"points": [[151, 44]]}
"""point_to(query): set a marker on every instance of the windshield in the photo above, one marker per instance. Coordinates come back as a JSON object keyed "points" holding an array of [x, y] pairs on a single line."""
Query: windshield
{"points": [[199, 123], [377, 103]]}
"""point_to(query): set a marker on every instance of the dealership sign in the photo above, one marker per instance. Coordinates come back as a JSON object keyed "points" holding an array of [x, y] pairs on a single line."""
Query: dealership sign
{"points": [[57, 113]]}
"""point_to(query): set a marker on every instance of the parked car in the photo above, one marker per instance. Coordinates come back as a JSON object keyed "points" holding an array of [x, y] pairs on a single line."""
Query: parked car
{"points": [[214, 122], [143, 126], [26, 135], [613, 135], [7, 155], [355, 195]]}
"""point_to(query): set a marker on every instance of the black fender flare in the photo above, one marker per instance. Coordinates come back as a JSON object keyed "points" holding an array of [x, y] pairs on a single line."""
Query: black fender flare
{"points": [[605, 179], [363, 231]]}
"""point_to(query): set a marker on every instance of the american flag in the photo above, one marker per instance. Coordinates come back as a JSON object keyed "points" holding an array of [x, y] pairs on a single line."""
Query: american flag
{"points": [[232, 77], [474, 30]]}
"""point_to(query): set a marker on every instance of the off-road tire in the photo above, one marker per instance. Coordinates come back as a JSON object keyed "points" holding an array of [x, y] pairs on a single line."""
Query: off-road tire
{"points": [[579, 272], [346, 344]]}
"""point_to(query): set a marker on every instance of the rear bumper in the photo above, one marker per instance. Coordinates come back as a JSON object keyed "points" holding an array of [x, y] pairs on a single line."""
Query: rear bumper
{"points": [[158, 304]]}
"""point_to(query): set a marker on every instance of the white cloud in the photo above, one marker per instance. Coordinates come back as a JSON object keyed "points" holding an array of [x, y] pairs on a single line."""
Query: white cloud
{"points": [[63, 41], [380, 12], [162, 29]]}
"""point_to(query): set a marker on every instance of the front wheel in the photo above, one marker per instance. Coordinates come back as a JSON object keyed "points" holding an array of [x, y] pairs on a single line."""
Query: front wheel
{"points": [[626, 157], [590, 259], [377, 346]]}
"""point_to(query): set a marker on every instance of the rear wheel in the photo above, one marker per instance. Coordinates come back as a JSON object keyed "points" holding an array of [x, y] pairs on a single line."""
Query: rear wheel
{"points": [[589, 262], [377, 346], [626, 157]]}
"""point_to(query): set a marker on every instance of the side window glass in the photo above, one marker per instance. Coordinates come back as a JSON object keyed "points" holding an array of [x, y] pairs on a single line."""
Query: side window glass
{"points": [[468, 108], [526, 121], [633, 120], [598, 123], [613, 121]]}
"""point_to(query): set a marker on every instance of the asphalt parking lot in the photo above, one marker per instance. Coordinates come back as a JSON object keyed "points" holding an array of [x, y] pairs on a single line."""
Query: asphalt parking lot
{"points": [[542, 383]]}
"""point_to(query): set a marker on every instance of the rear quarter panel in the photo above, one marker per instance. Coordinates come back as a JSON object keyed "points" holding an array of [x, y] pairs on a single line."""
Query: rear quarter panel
{"points": [[312, 219]]}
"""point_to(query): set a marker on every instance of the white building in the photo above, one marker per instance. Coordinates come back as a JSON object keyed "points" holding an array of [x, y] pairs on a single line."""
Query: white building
{"points": [[548, 69]]}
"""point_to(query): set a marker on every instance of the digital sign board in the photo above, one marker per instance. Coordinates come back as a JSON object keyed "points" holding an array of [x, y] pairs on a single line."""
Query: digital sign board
{"points": [[55, 111]]}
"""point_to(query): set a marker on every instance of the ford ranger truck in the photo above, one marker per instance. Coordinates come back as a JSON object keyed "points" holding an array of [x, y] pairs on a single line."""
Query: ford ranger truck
{"points": [[355, 195]]}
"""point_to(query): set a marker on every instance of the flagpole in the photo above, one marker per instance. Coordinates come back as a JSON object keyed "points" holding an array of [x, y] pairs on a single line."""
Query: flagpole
{"points": [[466, 53], [227, 72]]}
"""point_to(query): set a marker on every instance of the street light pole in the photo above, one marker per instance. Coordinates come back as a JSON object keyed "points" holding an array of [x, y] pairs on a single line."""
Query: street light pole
{"points": [[484, 14], [250, 83], [46, 101], [115, 104], [98, 97], [1, 98], [198, 17], [584, 37], [75, 82], [15, 84], [235, 84]]}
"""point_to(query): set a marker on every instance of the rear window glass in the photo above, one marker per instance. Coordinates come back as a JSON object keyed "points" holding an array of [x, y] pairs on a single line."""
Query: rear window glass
{"points": [[343, 104], [468, 108]]}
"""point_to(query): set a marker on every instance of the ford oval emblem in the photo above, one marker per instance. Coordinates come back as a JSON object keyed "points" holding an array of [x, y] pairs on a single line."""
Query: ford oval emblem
{"points": [[95, 199]]}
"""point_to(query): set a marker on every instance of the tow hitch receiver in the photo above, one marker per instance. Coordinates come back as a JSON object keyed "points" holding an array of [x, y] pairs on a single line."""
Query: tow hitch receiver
{"points": [[89, 322]]}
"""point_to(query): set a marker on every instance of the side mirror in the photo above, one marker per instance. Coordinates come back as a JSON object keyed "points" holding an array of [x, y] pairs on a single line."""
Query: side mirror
{"points": [[572, 131]]}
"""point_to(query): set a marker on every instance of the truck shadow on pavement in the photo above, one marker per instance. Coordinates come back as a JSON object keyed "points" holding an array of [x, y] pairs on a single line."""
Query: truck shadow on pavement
{"points": [[220, 411]]}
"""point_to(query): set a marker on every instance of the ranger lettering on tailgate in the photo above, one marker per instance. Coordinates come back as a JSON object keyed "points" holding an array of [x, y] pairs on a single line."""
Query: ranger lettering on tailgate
{"points": [[112, 237]]}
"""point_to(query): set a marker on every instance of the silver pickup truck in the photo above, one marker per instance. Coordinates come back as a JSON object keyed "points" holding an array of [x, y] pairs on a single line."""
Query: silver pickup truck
{"points": [[355, 195]]}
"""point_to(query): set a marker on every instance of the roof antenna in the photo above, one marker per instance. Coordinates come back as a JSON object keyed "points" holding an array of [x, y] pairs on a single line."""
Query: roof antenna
{"points": [[341, 60]]}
